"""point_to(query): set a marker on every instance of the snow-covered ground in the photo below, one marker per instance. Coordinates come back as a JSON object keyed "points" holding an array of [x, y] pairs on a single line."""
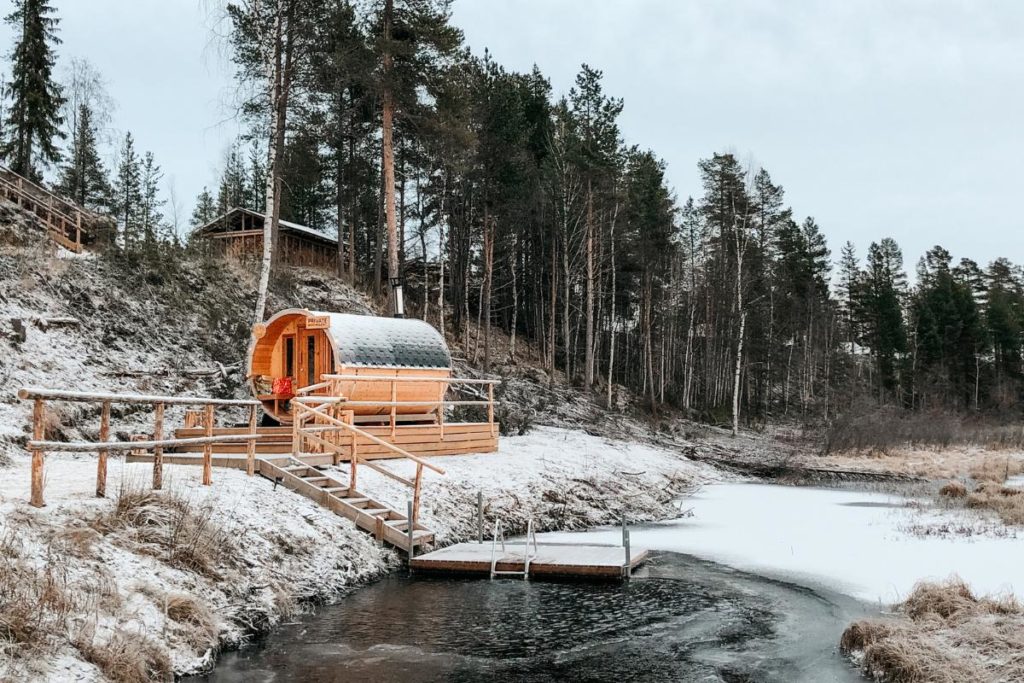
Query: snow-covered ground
{"points": [[561, 478], [869, 545], [283, 548]]}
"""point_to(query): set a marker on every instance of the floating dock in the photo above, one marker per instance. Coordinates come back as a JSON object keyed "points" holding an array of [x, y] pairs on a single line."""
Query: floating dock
{"points": [[547, 559]]}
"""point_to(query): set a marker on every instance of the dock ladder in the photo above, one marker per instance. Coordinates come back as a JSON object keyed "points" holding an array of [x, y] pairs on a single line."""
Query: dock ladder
{"points": [[528, 556]]}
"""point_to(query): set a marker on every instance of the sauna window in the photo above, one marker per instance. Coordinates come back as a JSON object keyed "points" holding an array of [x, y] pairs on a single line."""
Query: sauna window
{"points": [[310, 360], [289, 356]]}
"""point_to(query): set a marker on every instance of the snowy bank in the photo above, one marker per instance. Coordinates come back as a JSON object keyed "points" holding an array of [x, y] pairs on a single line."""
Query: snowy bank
{"points": [[136, 577], [872, 546], [562, 479]]}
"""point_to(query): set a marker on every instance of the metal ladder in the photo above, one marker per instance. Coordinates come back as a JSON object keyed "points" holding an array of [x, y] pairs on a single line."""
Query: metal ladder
{"points": [[528, 556]]}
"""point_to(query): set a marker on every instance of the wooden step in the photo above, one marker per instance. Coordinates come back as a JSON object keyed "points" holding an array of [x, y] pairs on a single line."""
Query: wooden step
{"points": [[375, 518]]}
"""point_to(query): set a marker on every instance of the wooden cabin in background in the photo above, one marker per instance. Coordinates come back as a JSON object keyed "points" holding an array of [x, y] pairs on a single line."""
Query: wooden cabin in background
{"points": [[239, 234]]}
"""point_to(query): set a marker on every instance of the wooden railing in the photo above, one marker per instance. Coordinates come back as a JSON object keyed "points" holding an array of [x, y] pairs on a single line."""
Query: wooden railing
{"points": [[331, 382], [38, 445], [66, 222], [327, 426]]}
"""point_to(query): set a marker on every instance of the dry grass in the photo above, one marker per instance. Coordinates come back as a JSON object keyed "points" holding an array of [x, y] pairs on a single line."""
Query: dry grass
{"points": [[886, 429], [952, 463], [127, 657], [1005, 501], [167, 525], [946, 634], [953, 489], [34, 598], [195, 622]]}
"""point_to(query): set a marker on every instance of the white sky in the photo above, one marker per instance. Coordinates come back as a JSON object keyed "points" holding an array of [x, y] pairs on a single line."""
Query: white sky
{"points": [[879, 117]]}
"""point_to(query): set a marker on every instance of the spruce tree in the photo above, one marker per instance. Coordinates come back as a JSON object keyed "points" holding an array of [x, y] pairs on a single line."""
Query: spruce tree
{"points": [[34, 118], [150, 216], [205, 211], [128, 192], [83, 178]]}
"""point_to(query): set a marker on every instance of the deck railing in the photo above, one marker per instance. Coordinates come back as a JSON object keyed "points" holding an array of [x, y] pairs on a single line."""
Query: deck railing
{"points": [[332, 383], [38, 445], [327, 426]]}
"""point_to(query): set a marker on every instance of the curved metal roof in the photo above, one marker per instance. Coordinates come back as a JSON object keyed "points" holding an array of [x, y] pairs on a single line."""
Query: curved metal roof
{"points": [[389, 342]]}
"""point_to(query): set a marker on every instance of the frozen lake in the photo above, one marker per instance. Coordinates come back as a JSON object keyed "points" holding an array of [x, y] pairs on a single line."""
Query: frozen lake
{"points": [[858, 543]]}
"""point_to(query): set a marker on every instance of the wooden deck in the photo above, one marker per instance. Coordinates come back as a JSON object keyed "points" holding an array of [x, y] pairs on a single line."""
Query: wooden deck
{"points": [[551, 559], [459, 438]]}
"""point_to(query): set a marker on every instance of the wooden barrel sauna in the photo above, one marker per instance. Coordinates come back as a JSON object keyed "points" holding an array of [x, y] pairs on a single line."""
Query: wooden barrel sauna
{"points": [[303, 345]]}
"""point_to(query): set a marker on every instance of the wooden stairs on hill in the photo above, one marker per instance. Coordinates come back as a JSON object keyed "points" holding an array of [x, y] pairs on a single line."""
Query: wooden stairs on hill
{"points": [[368, 514], [67, 223]]}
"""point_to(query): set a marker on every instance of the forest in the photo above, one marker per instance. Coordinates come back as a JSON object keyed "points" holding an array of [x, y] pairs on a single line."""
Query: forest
{"points": [[510, 209]]}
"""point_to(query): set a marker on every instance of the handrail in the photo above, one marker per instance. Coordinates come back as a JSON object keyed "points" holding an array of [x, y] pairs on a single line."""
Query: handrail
{"points": [[86, 396], [48, 193], [375, 439], [312, 387], [86, 446], [398, 378], [385, 404]]}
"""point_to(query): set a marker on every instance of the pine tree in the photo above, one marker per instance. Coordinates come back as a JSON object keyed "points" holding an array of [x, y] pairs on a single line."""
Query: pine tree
{"points": [[205, 210], [233, 191], [83, 179], [128, 192], [884, 285], [33, 120]]}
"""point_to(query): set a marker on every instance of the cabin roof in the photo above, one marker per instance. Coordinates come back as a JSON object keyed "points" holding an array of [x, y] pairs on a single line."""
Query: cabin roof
{"points": [[231, 221], [366, 340]]}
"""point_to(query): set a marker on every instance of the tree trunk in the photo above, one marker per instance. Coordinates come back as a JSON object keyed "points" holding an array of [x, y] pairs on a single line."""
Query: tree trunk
{"points": [[387, 123], [588, 341], [278, 66]]}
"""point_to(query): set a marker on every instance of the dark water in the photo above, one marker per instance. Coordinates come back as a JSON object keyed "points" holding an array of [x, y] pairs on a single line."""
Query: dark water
{"points": [[679, 619]]}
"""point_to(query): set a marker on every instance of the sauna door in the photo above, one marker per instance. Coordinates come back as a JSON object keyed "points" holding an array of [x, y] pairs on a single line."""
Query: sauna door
{"points": [[314, 356]]}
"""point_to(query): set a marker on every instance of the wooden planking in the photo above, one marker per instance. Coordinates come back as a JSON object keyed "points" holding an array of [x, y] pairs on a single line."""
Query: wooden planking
{"points": [[369, 517], [551, 559]]}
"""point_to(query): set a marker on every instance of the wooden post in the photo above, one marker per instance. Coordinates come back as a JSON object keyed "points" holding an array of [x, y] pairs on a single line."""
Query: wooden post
{"points": [[350, 417], [250, 452], [394, 408], [410, 529], [479, 516], [627, 568], [416, 495], [490, 407], [208, 446], [296, 429], [158, 451], [440, 415], [37, 455], [101, 464]]}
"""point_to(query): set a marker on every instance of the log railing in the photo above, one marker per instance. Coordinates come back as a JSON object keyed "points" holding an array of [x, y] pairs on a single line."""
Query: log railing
{"points": [[329, 422], [38, 445]]}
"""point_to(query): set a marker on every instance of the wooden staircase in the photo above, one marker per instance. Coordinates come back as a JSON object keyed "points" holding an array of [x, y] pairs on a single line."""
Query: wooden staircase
{"points": [[67, 223], [368, 514]]}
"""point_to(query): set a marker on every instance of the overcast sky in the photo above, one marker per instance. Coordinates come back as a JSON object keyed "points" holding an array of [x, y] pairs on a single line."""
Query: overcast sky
{"points": [[879, 117]]}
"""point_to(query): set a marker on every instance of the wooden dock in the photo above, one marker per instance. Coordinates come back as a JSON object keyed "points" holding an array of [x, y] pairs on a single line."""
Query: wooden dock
{"points": [[549, 559]]}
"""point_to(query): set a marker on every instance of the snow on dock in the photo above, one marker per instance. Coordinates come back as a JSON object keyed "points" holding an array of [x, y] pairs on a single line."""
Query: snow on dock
{"points": [[551, 559]]}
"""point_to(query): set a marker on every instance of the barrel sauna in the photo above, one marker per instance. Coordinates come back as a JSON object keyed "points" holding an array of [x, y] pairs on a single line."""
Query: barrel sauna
{"points": [[303, 345]]}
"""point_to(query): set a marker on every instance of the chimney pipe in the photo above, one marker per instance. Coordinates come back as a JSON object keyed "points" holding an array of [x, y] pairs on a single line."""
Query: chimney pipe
{"points": [[396, 295]]}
